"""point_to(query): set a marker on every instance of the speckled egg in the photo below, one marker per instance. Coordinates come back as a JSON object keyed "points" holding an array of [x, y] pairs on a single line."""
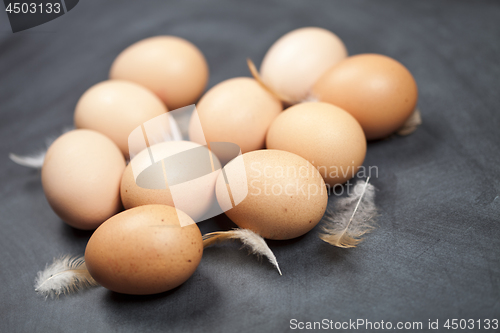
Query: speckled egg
{"points": [[144, 250], [277, 194]]}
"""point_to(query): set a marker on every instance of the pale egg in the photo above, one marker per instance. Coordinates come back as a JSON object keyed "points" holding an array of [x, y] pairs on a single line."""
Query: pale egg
{"points": [[81, 178], [115, 108], [172, 67], [296, 61], [237, 110]]}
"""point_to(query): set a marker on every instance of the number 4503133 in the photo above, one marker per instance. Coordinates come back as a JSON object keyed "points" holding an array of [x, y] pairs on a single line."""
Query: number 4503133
{"points": [[485, 324], [32, 8]]}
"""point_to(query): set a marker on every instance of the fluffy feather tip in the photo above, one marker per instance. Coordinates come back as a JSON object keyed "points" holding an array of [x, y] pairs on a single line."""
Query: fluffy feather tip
{"points": [[64, 276]]}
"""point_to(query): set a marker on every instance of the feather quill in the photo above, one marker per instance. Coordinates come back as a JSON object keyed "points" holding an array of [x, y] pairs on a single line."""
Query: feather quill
{"points": [[250, 239], [258, 78], [353, 217], [65, 275], [35, 160]]}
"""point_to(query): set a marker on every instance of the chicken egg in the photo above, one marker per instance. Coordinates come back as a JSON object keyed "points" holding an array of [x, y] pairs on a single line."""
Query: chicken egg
{"points": [[115, 108], [295, 61], [173, 68], [277, 194], [377, 90], [237, 110], [81, 178], [193, 196], [144, 250], [325, 135]]}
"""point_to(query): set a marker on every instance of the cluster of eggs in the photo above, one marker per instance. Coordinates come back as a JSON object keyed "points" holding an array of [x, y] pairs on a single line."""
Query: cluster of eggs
{"points": [[337, 104]]}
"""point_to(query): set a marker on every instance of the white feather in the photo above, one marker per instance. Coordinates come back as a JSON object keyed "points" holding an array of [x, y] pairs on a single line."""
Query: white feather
{"points": [[65, 275], [411, 123], [250, 239], [35, 160], [352, 217]]}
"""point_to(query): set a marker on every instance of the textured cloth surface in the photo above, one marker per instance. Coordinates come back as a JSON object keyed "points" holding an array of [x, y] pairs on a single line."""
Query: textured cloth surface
{"points": [[436, 251]]}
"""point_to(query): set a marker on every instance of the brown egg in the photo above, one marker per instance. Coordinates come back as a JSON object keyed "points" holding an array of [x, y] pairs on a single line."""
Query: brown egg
{"points": [[115, 108], [81, 178], [144, 250], [173, 68], [278, 195], [193, 196], [237, 110], [377, 90], [295, 61], [325, 135]]}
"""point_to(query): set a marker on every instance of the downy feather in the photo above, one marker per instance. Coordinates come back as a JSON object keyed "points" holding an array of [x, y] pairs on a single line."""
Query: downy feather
{"points": [[65, 275], [352, 217], [250, 239], [411, 123]]}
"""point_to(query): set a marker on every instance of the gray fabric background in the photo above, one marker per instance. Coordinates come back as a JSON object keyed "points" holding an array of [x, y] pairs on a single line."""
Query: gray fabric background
{"points": [[435, 253]]}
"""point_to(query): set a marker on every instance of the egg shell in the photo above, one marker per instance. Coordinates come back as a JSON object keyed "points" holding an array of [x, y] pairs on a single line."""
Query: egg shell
{"points": [[286, 197], [144, 251], [81, 178], [377, 90], [325, 135], [237, 110], [295, 61], [194, 203], [115, 108], [172, 67]]}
